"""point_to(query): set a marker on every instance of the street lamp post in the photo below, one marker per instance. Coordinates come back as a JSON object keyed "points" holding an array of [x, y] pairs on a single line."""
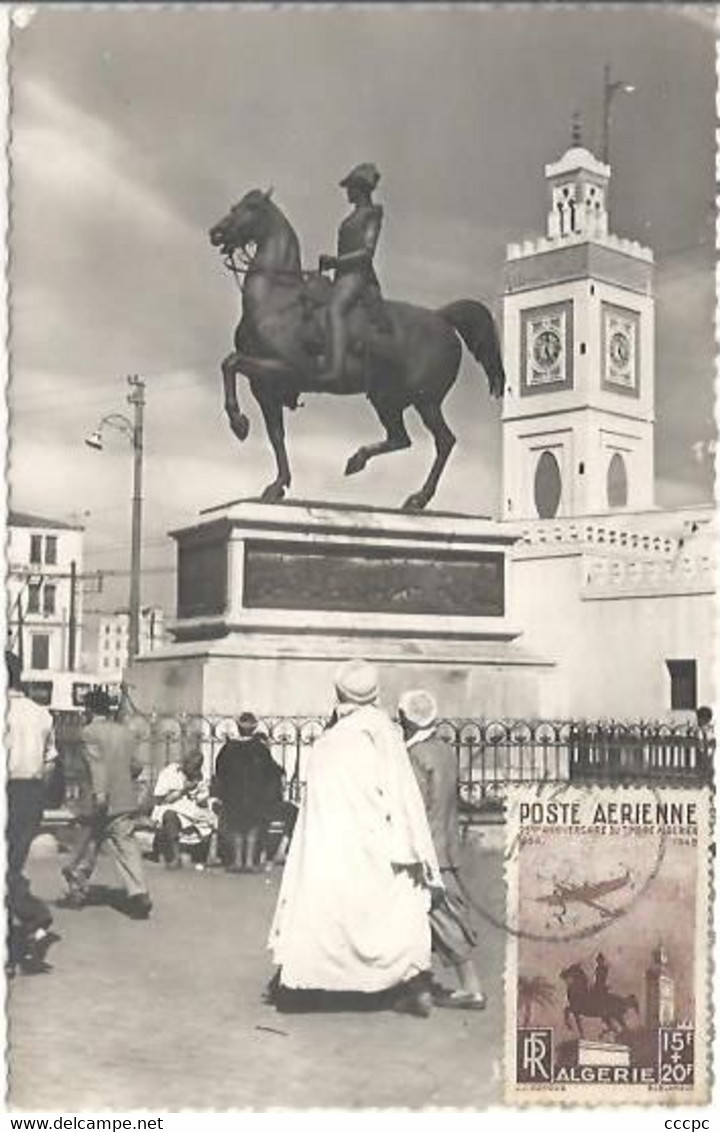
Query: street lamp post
{"points": [[133, 429], [610, 89], [137, 399]]}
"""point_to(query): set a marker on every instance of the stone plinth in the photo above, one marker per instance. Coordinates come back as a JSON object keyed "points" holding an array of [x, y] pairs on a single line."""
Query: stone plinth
{"points": [[602, 1053], [272, 598]]}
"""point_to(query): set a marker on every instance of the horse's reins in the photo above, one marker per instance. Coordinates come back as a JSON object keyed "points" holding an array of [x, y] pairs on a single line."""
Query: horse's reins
{"points": [[248, 267]]}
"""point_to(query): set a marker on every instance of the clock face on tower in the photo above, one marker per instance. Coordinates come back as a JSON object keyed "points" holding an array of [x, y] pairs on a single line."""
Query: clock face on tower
{"points": [[620, 349], [546, 347]]}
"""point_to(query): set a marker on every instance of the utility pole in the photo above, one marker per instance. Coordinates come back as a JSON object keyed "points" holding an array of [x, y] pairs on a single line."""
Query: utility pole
{"points": [[133, 430], [72, 617], [136, 398]]}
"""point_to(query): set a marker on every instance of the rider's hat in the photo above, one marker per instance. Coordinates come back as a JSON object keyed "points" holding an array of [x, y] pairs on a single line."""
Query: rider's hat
{"points": [[365, 175]]}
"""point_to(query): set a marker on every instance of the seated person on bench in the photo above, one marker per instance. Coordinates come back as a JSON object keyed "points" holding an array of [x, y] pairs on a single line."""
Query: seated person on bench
{"points": [[183, 813]]}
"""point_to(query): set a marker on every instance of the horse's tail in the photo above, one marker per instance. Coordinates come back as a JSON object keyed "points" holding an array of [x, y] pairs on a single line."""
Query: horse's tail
{"points": [[476, 326]]}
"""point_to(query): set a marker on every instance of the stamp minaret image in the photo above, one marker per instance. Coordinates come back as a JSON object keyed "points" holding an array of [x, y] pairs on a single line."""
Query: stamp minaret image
{"points": [[579, 412], [659, 991]]}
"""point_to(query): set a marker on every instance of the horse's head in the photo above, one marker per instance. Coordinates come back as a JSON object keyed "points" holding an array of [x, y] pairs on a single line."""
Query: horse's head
{"points": [[573, 974], [247, 222]]}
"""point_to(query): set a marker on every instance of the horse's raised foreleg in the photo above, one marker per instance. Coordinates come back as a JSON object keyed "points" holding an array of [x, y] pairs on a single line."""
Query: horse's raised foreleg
{"points": [[239, 423], [272, 411], [391, 417], [433, 419]]}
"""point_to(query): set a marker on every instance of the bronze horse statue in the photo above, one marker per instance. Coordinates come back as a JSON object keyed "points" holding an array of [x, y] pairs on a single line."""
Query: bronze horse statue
{"points": [[584, 1001], [399, 355]]}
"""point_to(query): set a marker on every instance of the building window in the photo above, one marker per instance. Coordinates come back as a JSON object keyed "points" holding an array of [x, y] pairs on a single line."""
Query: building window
{"points": [[33, 602], [51, 550], [617, 482], [40, 651], [36, 548], [548, 486], [683, 684], [49, 600]]}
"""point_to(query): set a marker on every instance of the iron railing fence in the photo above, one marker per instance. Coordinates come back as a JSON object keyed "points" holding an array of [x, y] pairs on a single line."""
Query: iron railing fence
{"points": [[491, 754], [648, 751]]}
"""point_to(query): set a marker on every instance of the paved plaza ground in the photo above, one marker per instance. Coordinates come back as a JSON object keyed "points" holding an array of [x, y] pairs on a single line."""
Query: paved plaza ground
{"points": [[167, 1014]]}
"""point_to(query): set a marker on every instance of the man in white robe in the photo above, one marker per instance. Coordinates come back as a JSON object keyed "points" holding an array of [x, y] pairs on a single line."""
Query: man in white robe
{"points": [[352, 914]]}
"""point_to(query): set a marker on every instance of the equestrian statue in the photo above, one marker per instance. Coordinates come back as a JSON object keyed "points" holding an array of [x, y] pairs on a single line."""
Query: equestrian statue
{"points": [[301, 332], [595, 1000]]}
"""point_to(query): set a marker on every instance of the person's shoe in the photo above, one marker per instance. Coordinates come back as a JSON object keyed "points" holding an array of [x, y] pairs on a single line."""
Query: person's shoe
{"points": [[272, 989], [32, 966], [74, 898], [417, 1003], [175, 863], [464, 1000], [439, 993], [33, 962], [139, 907], [76, 895]]}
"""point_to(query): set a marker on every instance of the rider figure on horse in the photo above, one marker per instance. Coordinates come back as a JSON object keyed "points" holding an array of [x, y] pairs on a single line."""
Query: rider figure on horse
{"points": [[602, 970], [353, 265]]}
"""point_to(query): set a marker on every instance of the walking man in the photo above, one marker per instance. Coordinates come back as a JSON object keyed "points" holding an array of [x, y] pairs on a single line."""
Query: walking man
{"points": [[31, 755], [435, 766], [352, 913], [109, 749]]}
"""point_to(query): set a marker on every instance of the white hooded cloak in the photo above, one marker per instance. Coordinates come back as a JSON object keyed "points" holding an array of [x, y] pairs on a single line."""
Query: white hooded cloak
{"points": [[351, 915]]}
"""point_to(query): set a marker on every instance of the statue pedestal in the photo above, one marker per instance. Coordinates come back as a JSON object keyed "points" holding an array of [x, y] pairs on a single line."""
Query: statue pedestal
{"points": [[602, 1053], [270, 599]]}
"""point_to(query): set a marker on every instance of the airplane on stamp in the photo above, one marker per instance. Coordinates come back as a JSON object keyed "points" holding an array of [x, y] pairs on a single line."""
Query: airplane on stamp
{"points": [[587, 893]]}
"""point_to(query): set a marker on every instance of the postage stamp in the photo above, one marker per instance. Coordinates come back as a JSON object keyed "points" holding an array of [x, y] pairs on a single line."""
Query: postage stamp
{"points": [[360, 468], [607, 978]]}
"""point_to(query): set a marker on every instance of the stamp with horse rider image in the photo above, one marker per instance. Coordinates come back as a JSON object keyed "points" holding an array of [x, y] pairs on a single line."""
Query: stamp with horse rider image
{"points": [[607, 963]]}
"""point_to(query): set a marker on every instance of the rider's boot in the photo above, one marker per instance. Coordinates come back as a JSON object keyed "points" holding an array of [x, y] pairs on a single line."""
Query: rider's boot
{"points": [[336, 339]]}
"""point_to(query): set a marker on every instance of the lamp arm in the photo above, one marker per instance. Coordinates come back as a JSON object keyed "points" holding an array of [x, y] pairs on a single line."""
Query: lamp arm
{"points": [[119, 422]]}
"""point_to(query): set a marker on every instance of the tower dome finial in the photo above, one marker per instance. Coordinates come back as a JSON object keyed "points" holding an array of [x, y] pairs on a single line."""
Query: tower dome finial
{"points": [[576, 135]]}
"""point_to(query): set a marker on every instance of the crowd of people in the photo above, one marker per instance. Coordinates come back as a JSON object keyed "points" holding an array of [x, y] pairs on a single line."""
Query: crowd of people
{"points": [[371, 886]]}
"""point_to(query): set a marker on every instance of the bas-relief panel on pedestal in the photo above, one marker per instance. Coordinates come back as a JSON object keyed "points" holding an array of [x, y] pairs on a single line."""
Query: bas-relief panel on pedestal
{"points": [[346, 579]]}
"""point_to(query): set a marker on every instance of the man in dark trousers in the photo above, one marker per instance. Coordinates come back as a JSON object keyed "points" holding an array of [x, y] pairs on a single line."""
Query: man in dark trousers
{"points": [[242, 783], [109, 751], [31, 757], [435, 765]]}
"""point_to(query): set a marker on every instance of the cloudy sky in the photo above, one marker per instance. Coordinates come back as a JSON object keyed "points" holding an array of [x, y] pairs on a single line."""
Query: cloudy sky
{"points": [[134, 130]]}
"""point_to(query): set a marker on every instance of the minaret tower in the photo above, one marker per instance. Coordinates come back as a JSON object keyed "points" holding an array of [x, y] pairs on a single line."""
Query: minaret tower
{"points": [[659, 991], [579, 407]]}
